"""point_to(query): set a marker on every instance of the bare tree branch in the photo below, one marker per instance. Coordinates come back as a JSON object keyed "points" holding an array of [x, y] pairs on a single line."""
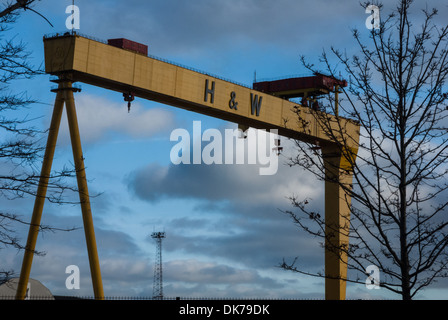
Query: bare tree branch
{"points": [[400, 187]]}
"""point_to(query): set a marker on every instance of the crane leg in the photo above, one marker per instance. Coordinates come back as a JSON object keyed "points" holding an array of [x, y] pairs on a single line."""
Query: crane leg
{"points": [[83, 193], [40, 197], [337, 222], [64, 94]]}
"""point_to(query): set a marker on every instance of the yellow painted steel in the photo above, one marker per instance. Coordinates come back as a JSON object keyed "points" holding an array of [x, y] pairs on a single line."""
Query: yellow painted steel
{"points": [[83, 192], [64, 94], [102, 65], [77, 58], [338, 184], [40, 196]]}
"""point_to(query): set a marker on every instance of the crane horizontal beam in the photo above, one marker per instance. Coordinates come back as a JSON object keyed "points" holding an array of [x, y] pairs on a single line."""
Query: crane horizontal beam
{"points": [[121, 70]]}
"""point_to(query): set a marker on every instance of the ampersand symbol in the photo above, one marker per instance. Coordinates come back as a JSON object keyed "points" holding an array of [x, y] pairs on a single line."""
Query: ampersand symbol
{"points": [[232, 103]]}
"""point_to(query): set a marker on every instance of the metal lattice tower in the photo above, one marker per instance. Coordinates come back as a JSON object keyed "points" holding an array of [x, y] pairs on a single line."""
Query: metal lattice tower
{"points": [[157, 291]]}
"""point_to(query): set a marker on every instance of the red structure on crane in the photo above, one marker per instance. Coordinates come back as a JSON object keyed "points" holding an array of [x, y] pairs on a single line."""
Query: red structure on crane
{"points": [[129, 45], [306, 87]]}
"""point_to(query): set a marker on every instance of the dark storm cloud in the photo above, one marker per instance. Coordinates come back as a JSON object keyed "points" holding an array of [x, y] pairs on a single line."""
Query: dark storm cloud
{"points": [[187, 25], [255, 244], [196, 181], [237, 211], [221, 184], [194, 271]]}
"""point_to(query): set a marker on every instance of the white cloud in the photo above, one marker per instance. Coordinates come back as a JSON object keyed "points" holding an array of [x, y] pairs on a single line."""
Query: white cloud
{"points": [[98, 117]]}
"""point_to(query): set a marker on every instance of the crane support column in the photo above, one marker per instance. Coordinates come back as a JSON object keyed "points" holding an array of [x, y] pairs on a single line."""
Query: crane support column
{"points": [[338, 183], [83, 192], [40, 196], [64, 94]]}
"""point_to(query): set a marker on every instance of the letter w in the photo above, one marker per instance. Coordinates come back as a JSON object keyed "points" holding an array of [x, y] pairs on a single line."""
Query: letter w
{"points": [[255, 103]]}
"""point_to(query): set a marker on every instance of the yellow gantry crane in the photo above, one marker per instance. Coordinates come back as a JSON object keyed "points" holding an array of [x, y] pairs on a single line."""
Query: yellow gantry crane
{"points": [[124, 66]]}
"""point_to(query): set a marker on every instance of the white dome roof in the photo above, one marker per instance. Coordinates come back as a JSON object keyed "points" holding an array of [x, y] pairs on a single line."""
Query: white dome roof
{"points": [[35, 291]]}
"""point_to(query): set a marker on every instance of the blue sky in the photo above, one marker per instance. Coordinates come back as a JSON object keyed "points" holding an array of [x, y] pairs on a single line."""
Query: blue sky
{"points": [[225, 233]]}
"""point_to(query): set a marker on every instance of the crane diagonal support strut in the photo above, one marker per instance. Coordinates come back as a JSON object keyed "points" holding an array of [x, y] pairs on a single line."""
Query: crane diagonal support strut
{"points": [[64, 95], [75, 58]]}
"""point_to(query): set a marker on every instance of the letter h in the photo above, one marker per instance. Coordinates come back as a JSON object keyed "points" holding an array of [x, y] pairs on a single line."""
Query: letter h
{"points": [[209, 91]]}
